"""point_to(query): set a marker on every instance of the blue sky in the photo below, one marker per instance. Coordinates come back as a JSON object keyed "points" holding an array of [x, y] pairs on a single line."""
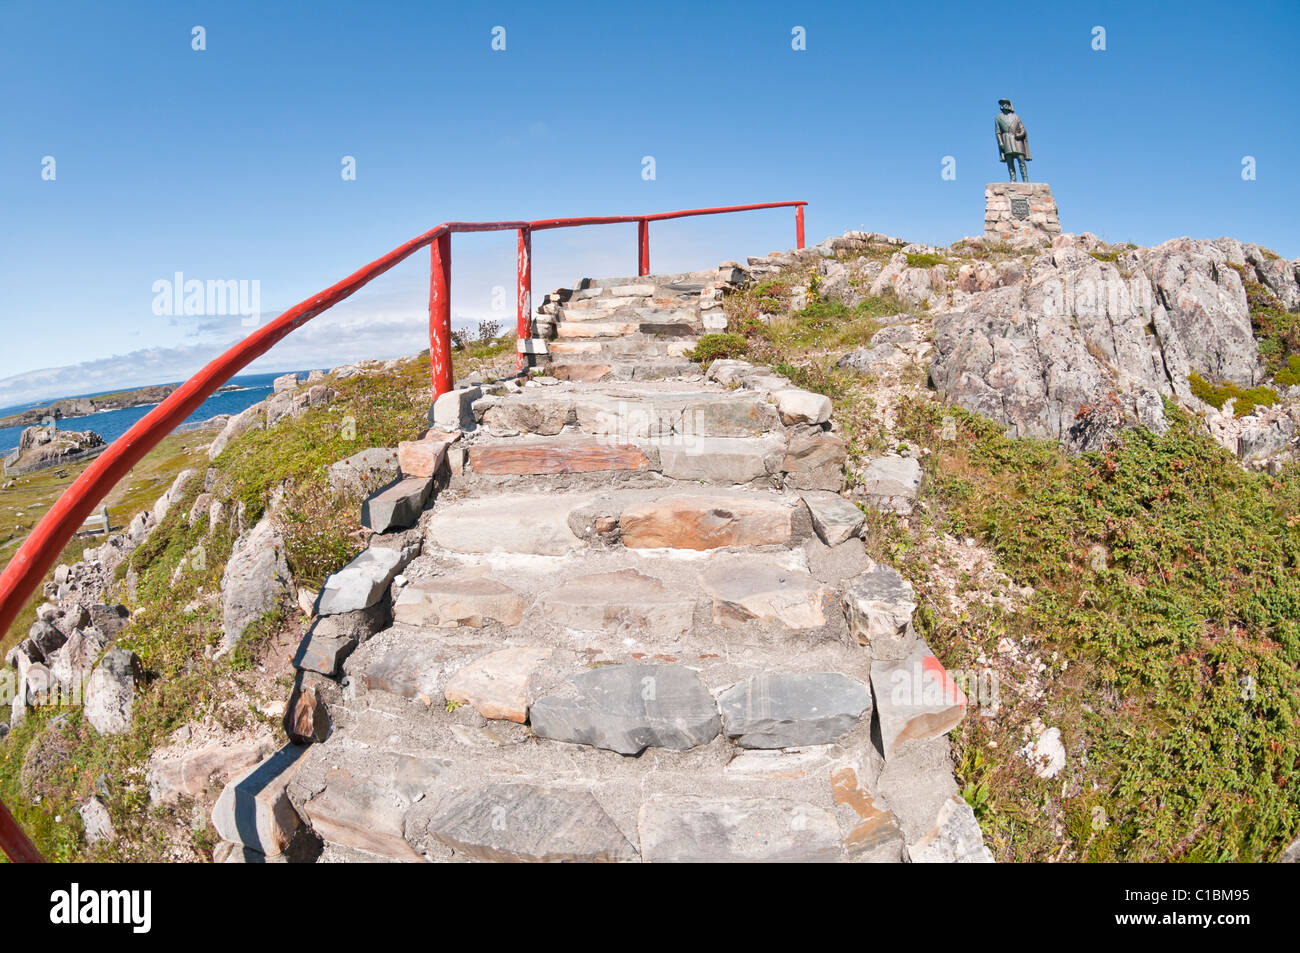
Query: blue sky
{"points": [[225, 163]]}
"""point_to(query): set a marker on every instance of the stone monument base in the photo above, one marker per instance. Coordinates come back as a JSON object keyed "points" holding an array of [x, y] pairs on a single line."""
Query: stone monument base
{"points": [[1018, 211]]}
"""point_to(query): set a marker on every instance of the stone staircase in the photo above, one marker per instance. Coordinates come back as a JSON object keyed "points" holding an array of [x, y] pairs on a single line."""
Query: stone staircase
{"points": [[618, 612], [630, 328]]}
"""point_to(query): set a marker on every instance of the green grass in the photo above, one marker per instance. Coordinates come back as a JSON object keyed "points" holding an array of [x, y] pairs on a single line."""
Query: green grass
{"points": [[182, 683], [22, 504], [925, 260], [1183, 643], [1244, 401]]}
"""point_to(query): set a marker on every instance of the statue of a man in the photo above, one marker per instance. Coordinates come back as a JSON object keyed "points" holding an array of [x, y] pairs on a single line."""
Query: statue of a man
{"points": [[1013, 140]]}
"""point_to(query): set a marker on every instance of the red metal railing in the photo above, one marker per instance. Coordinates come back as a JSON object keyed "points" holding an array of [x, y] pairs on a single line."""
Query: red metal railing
{"points": [[42, 547]]}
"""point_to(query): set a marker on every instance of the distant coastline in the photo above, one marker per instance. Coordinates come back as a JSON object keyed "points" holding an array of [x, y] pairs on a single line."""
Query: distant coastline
{"points": [[114, 413], [87, 406]]}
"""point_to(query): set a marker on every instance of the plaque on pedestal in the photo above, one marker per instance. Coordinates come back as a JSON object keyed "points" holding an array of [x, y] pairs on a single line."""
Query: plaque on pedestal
{"points": [[1019, 211]]}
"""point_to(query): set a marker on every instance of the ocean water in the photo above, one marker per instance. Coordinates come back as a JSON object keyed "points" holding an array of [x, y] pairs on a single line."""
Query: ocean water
{"points": [[111, 424]]}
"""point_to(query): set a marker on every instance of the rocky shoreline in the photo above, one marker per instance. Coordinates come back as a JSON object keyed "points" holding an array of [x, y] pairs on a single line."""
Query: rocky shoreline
{"points": [[85, 406]]}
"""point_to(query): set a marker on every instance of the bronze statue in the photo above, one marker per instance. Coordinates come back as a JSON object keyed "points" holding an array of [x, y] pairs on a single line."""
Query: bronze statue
{"points": [[1013, 140]]}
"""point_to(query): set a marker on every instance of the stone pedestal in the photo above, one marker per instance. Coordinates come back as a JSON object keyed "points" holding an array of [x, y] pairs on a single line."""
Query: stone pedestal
{"points": [[1020, 211]]}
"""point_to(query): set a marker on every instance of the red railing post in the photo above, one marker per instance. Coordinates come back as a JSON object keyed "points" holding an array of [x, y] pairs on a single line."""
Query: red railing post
{"points": [[440, 313], [17, 847], [798, 226], [524, 270], [643, 247]]}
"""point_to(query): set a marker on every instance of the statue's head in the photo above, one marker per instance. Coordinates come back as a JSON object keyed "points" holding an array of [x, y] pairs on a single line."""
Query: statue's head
{"points": [[1004, 105]]}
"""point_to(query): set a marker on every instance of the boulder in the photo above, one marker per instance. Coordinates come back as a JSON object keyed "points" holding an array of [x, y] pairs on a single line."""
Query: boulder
{"points": [[815, 462], [878, 605], [255, 582], [110, 692], [802, 407], [252, 418], [363, 472], [454, 410], [750, 589], [95, 821], [891, 483], [955, 838]]}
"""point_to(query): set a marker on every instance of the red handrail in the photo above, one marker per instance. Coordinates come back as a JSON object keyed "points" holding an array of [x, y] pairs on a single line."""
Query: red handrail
{"points": [[42, 547]]}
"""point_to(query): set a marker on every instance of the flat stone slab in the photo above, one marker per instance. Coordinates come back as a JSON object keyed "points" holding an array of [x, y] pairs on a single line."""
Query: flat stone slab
{"points": [[621, 599], [406, 665], [361, 583], [787, 711], [499, 685], [362, 799], [707, 522], [721, 459], [916, 700], [555, 456], [879, 605], [627, 708], [956, 838], [527, 823], [396, 506], [513, 523], [689, 829], [466, 598], [834, 519], [754, 590], [628, 415]]}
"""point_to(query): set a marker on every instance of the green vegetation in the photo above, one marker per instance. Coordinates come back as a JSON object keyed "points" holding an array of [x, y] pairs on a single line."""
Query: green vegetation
{"points": [[1244, 401], [716, 347], [1181, 701], [1277, 330], [30, 496], [1165, 607], [177, 616], [1289, 375], [925, 260]]}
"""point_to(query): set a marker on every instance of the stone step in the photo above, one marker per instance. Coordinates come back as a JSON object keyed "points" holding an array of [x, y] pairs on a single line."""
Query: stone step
{"points": [[400, 791], [622, 370], [714, 460], [628, 414], [558, 523], [568, 453], [636, 346], [666, 325]]}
